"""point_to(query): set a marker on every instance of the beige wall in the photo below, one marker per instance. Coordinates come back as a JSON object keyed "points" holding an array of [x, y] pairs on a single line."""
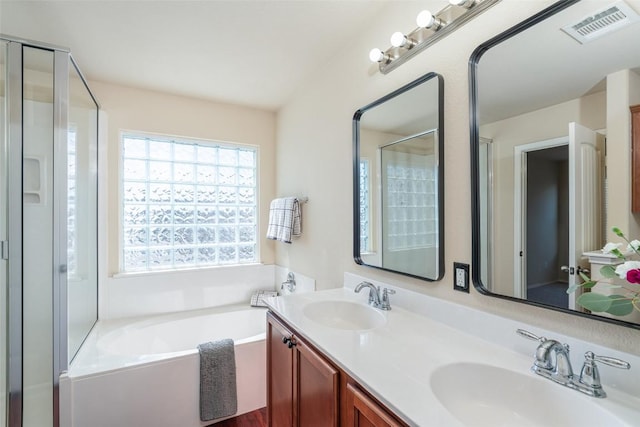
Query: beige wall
{"points": [[154, 112], [314, 142]]}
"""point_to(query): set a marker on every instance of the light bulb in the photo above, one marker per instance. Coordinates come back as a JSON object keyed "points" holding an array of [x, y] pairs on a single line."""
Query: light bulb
{"points": [[462, 3], [426, 19], [398, 39], [376, 55]]}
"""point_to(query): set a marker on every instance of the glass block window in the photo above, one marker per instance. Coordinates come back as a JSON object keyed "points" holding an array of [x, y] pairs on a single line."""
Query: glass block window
{"points": [[72, 230], [365, 214], [411, 205], [187, 203]]}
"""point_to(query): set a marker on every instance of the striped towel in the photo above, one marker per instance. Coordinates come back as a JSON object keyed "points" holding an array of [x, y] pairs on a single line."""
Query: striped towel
{"points": [[285, 219]]}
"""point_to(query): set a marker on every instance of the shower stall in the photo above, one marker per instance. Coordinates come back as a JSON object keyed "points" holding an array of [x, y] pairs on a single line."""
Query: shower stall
{"points": [[48, 225]]}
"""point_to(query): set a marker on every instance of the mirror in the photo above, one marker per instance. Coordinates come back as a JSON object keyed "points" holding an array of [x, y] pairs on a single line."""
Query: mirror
{"points": [[550, 144], [398, 181]]}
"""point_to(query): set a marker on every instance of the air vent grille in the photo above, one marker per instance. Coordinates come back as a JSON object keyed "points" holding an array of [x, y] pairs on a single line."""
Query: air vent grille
{"points": [[605, 21]]}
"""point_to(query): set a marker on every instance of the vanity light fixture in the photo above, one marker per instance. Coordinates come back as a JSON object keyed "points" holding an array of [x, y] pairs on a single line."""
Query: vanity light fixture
{"points": [[426, 19], [431, 28], [467, 4], [400, 40], [376, 55]]}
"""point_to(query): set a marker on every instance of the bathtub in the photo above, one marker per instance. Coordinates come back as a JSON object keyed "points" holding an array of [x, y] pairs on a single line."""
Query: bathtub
{"points": [[145, 371]]}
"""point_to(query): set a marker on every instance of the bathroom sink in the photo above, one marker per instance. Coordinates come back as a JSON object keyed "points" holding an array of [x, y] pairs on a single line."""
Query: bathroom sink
{"points": [[483, 395], [344, 315]]}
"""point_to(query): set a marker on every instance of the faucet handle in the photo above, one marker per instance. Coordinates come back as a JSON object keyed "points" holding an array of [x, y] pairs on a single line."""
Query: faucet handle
{"points": [[385, 303], [589, 381], [531, 336], [607, 360]]}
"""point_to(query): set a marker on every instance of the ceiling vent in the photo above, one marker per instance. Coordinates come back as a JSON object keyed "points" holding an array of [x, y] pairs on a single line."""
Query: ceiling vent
{"points": [[602, 22]]}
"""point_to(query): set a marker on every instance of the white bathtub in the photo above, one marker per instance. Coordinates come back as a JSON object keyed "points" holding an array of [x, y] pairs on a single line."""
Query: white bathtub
{"points": [[145, 371]]}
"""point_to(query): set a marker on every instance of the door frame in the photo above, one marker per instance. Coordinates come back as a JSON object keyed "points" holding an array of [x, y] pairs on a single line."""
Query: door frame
{"points": [[520, 211]]}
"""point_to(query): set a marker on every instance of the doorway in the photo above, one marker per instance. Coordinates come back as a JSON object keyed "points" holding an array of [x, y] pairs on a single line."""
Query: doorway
{"points": [[547, 225]]}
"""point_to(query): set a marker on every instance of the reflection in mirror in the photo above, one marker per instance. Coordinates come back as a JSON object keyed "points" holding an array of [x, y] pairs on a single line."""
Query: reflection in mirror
{"points": [[398, 181], [550, 150]]}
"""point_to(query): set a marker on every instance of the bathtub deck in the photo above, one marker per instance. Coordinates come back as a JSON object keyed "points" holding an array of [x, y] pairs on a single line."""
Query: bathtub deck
{"points": [[257, 418]]}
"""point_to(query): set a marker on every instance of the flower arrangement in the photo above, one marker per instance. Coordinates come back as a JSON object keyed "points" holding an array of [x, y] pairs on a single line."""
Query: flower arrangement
{"points": [[628, 297]]}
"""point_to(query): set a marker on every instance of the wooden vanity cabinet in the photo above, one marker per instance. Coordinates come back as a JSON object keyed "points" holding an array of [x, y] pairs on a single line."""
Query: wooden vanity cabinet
{"points": [[304, 389], [279, 375], [362, 411]]}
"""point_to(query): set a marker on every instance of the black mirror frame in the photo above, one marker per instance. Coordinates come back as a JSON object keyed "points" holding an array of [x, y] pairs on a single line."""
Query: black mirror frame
{"points": [[475, 170], [356, 171]]}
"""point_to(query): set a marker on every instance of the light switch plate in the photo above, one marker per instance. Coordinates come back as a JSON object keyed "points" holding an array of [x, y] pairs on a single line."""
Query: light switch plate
{"points": [[461, 277]]}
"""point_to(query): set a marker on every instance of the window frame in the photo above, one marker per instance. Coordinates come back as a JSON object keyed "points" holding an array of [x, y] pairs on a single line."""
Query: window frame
{"points": [[123, 133]]}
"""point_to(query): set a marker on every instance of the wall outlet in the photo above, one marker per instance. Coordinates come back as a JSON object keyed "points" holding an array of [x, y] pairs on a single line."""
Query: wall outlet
{"points": [[461, 277]]}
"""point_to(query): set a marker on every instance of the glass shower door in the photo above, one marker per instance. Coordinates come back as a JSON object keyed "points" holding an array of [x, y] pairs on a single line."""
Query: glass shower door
{"points": [[37, 236], [48, 226], [82, 205]]}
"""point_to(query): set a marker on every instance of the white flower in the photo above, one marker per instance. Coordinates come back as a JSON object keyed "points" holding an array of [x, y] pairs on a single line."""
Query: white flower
{"points": [[622, 269], [610, 247], [634, 245]]}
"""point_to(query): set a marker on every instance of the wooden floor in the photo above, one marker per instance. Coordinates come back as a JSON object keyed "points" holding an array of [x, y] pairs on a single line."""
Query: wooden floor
{"points": [[257, 418]]}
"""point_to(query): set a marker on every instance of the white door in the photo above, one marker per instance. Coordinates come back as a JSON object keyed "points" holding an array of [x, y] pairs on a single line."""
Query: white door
{"points": [[585, 196]]}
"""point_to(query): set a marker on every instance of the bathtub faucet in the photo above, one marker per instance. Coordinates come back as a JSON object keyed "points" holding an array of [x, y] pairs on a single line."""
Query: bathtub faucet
{"points": [[290, 282]]}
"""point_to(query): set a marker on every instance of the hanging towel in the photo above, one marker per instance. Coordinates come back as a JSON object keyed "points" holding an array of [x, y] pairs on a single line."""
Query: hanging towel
{"points": [[285, 219], [218, 394]]}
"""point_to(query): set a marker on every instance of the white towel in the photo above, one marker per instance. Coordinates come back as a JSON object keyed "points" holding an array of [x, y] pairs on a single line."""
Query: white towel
{"points": [[285, 219]]}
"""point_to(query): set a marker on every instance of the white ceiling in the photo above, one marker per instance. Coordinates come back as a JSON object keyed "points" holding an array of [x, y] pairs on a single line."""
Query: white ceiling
{"points": [[248, 52]]}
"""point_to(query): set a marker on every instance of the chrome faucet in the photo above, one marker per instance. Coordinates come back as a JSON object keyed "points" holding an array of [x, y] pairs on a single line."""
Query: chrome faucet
{"points": [[552, 361], [290, 282], [375, 300]]}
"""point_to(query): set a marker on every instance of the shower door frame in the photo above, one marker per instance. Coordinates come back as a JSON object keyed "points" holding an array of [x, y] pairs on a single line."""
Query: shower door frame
{"points": [[14, 234], [15, 149]]}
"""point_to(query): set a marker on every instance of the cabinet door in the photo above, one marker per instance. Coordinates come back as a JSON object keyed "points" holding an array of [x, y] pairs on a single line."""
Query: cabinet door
{"points": [[279, 375], [364, 412], [316, 389]]}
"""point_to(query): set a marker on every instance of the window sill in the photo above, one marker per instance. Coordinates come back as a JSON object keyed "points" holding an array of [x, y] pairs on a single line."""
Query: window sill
{"points": [[131, 274]]}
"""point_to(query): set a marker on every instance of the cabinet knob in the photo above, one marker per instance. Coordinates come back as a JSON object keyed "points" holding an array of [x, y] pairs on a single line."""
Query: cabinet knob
{"points": [[290, 342]]}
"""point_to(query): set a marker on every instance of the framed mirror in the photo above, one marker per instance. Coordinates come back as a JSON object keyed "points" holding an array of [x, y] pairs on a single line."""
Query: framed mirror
{"points": [[398, 183], [550, 148]]}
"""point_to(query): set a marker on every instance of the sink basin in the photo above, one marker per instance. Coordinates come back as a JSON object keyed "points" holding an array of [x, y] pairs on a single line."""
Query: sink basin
{"points": [[344, 315], [484, 395]]}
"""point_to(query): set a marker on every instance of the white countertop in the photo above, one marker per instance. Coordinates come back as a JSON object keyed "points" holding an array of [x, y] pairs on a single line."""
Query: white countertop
{"points": [[395, 361]]}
